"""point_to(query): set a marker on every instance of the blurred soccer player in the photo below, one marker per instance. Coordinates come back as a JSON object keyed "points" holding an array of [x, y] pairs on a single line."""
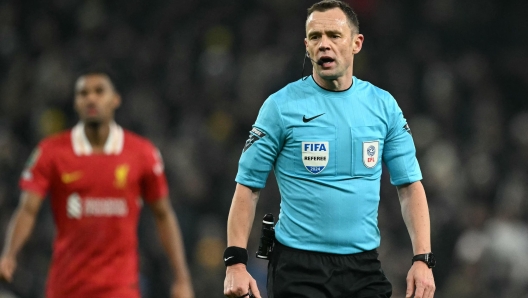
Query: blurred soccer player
{"points": [[326, 136], [96, 175]]}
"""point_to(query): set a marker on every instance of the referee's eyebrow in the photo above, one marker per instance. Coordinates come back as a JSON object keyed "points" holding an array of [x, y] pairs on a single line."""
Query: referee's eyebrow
{"points": [[326, 32]]}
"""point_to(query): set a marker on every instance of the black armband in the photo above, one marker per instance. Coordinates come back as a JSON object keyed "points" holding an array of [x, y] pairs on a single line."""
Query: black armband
{"points": [[235, 255]]}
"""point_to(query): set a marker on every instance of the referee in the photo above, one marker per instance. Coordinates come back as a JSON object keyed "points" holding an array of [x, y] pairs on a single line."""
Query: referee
{"points": [[326, 137]]}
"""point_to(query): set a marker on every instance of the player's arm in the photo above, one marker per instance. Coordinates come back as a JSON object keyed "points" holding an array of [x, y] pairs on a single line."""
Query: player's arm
{"points": [[171, 239], [19, 229], [415, 211], [238, 281]]}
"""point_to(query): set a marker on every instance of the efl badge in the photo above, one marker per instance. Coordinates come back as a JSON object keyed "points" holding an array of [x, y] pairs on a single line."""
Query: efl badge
{"points": [[370, 153], [26, 174], [158, 166], [315, 156]]}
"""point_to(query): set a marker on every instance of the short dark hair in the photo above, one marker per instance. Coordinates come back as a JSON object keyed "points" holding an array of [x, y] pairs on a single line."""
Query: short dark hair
{"points": [[330, 4], [100, 69]]}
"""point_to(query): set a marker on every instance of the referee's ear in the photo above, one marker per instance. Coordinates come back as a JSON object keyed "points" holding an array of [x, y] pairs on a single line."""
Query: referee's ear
{"points": [[357, 43]]}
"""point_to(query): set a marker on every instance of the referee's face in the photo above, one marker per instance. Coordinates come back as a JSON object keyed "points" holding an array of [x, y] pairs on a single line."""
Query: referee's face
{"points": [[95, 99], [331, 42]]}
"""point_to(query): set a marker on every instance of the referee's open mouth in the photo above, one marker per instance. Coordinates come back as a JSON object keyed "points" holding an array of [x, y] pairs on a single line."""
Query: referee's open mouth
{"points": [[326, 61]]}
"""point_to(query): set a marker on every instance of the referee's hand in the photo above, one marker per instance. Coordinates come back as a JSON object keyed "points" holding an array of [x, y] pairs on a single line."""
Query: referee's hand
{"points": [[420, 281], [239, 283]]}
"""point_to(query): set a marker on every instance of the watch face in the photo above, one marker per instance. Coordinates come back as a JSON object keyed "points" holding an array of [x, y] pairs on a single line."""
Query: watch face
{"points": [[431, 261]]}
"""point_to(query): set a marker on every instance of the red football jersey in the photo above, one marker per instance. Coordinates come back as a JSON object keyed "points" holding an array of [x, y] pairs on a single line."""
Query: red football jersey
{"points": [[96, 200]]}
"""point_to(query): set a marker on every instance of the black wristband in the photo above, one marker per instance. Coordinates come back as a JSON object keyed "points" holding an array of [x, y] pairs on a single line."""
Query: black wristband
{"points": [[235, 255]]}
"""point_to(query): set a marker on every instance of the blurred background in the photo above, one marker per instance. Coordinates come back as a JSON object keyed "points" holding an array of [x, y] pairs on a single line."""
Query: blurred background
{"points": [[193, 75]]}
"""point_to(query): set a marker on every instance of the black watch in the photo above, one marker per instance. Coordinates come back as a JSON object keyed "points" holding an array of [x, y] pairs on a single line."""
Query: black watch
{"points": [[429, 259]]}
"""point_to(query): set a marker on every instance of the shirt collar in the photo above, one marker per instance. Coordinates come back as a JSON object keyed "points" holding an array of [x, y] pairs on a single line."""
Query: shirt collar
{"points": [[322, 90], [113, 145]]}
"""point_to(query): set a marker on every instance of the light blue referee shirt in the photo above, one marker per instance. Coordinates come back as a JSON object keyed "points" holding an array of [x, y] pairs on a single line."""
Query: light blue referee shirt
{"points": [[326, 149]]}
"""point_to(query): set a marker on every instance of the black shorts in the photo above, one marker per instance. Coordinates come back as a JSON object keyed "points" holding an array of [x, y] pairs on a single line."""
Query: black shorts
{"points": [[299, 273]]}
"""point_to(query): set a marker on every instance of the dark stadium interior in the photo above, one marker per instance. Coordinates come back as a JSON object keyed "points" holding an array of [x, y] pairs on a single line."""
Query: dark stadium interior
{"points": [[193, 75]]}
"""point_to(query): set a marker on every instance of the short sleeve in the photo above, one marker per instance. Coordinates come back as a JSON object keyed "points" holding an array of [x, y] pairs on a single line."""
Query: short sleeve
{"points": [[399, 153], [154, 182], [36, 176], [262, 147]]}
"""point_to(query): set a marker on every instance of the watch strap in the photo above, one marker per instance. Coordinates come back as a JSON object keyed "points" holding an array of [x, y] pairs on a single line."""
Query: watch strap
{"points": [[427, 258]]}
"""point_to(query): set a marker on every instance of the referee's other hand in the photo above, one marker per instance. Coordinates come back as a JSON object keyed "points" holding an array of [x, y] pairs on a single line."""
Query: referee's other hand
{"points": [[239, 283], [420, 281]]}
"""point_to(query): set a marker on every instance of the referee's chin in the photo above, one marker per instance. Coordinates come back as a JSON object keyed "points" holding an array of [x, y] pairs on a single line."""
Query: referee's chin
{"points": [[329, 74]]}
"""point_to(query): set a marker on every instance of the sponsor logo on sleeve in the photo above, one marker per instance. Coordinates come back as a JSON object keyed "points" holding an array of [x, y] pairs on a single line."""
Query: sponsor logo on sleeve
{"points": [[407, 128], [254, 135], [315, 156], [158, 165], [370, 153], [32, 160]]}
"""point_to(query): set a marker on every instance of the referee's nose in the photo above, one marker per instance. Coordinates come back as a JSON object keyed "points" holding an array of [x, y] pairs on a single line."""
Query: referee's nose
{"points": [[324, 44]]}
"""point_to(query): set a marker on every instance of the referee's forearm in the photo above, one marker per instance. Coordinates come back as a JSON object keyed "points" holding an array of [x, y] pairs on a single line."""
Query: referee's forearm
{"points": [[415, 213], [241, 215]]}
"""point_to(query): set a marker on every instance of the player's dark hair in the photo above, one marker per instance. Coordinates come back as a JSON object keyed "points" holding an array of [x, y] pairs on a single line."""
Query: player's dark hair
{"points": [[100, 69], [330, 4]]}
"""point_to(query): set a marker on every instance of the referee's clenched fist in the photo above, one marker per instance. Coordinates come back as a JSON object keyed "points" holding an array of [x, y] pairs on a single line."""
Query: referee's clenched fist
{"points": [[239, 283]]}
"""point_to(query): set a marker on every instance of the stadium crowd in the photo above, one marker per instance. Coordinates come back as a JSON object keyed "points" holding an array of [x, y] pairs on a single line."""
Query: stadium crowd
{"points": [[193, 75]]}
